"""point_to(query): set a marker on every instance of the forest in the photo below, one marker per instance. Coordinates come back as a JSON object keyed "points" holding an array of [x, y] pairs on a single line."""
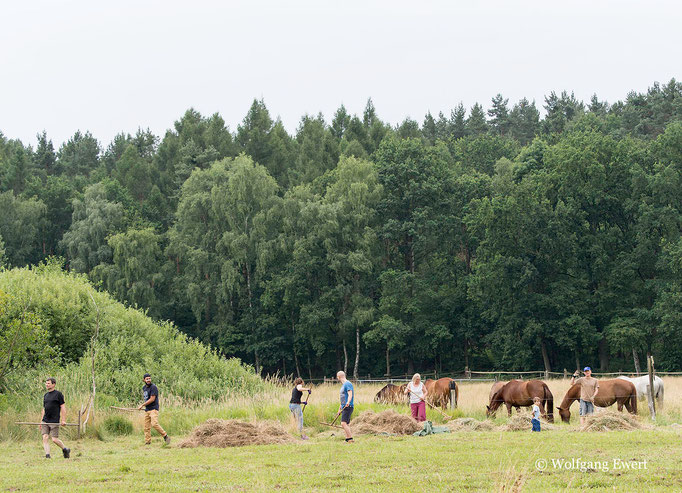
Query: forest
{"points": [[489, 239]]}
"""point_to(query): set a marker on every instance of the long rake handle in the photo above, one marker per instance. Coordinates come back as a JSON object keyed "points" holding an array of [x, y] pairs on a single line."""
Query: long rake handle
{"points": [[36, 424], [432, 406]]}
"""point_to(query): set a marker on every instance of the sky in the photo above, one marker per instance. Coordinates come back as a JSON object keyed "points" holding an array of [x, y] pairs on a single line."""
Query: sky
{"points": [[111, 67]]}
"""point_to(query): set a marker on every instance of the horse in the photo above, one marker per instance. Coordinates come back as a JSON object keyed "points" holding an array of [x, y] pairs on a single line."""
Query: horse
{"points": [[391, 394], [518, 393], [616, 390], [642, 387], [439, 391]]}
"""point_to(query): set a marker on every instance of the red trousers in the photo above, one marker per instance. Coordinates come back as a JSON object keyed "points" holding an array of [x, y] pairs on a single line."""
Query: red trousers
{"points": [[419, 411]]}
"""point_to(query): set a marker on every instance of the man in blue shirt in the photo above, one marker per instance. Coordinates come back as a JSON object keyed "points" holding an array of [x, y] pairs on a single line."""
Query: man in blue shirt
{"points": [[346, 407], [150, 394]]}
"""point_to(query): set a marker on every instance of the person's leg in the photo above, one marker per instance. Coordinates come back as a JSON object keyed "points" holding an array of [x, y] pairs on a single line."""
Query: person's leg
{"points": [[345, 423], [46, 444], [421, 411], [59, 443], [155, 423], [414, 408], [583, 411], [147, 428]]}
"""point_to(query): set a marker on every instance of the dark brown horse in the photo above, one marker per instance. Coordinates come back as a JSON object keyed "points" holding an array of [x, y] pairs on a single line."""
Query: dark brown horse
{"points": [[391, 394], [520, 393], [439, 391], [619, 391]]}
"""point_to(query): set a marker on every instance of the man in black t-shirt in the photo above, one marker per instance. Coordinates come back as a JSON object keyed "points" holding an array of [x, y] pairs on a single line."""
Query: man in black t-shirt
{"points": [[150, 394], [53, 409]]}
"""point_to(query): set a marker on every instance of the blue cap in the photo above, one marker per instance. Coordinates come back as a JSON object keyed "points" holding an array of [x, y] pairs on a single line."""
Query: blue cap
{"points": [[587, 368]]}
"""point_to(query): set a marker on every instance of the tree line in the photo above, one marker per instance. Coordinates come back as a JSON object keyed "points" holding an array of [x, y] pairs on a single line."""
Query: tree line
{"points": [[489, 239]]}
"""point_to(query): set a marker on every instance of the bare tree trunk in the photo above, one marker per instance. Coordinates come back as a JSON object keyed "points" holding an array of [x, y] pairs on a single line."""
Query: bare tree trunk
{"points": [[603, 354], [466, 356], [357, 353], [298, 368], [388, 362], [545, 356], [310, 369], [293, 345], [635, 357], [345, 357], [577, 361]]}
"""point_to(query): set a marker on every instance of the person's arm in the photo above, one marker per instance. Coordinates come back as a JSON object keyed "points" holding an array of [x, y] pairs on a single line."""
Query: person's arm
{"points": [[350, 397], [151, 399], [62, 413], [301, 388], [42, 415], [596, 391], [425, 390], [573, 378]]}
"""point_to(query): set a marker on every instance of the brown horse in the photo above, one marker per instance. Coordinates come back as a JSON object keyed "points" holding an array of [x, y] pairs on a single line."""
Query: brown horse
{"points": [[391, 394], [619, 391], [439, 391], [518, 393], [496, 386]]}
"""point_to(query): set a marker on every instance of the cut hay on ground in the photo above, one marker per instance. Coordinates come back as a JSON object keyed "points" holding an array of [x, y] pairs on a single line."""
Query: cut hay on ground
{"points": [[386, 422], [235, 433], [521, 422], [470, 424], [612, 420]]}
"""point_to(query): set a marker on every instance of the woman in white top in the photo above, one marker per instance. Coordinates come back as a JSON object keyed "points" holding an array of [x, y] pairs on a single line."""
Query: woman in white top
{"points": [[417, 392]]}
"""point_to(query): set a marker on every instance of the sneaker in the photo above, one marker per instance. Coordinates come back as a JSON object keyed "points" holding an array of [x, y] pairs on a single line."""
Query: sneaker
{"points": [[166, 439], [66, 452], [47, 456]]}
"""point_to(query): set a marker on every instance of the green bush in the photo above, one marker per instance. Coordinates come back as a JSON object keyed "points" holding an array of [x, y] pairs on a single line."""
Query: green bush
{"points": [[129, 345], [117, 425]]}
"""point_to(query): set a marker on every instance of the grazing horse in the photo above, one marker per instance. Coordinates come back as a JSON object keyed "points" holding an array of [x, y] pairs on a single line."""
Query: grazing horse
{"points": [[520, 393], [617, 390], [391, 394], [439, 391], [642, 387]]}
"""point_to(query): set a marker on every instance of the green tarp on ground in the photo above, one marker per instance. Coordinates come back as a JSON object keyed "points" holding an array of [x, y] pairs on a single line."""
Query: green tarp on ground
{"points": [[429, 429]]}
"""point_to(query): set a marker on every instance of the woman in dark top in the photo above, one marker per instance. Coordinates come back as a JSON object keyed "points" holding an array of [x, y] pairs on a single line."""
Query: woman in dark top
{"points": [[295, 404]]}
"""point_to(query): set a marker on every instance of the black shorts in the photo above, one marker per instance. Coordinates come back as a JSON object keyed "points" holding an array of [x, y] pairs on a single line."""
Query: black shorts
{"points": [[345, 414]]}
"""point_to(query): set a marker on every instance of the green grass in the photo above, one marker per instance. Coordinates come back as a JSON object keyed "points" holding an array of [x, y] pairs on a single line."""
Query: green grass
{"points": [[499, 461]]}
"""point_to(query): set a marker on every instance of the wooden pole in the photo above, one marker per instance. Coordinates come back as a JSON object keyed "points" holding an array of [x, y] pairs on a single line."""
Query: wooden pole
{"points": [[79, 424], [650, 396]]}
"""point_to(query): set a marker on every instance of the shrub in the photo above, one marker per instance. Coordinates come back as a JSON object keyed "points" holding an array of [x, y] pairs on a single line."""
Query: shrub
{"points": [[129, 344], [117, 425]]}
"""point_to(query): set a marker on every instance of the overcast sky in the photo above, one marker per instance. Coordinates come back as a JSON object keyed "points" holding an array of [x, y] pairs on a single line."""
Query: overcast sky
{"points": [[69, 65]]}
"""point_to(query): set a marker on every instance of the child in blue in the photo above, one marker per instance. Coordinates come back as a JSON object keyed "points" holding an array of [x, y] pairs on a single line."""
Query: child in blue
{"points": [[536, 414]]}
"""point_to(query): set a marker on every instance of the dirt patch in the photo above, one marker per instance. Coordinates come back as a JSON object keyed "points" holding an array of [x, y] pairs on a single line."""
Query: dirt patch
{"points": [[386, 422], [612, 420], [235, 433], [470, 424]]}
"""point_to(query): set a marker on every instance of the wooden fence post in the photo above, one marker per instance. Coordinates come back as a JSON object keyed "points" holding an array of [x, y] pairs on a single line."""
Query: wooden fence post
{"points": [[79, 424], [650, 397]]}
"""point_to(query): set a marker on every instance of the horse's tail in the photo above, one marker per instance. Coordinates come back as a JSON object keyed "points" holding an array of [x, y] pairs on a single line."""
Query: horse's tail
{"points": [[549, 404], [633, 402]]}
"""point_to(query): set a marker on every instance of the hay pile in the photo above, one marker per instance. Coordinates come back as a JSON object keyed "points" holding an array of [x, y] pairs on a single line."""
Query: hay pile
{"points": [[235, 433], [612, 420], [521, 422], [470, 424], [384, 423]]}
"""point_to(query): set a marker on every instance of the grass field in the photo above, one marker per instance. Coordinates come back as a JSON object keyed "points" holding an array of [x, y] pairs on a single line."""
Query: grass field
{"points": [[495, 460]]}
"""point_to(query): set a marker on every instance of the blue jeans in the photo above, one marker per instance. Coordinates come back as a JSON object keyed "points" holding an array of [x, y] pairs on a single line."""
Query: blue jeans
{"points": [[586, 408], [298, 414], [536, 424]]}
